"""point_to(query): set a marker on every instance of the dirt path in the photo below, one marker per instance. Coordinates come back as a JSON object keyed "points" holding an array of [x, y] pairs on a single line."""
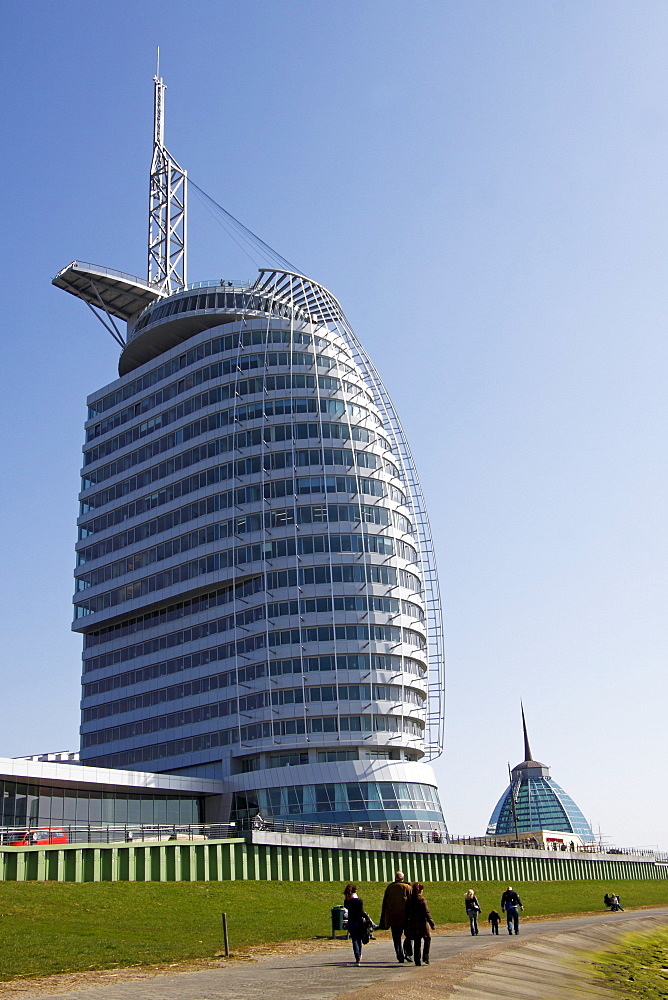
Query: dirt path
{"points": [[322, 969]]}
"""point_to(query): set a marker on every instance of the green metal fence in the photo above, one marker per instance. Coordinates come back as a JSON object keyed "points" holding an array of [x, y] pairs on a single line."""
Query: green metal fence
{"points": [[224, 860]]}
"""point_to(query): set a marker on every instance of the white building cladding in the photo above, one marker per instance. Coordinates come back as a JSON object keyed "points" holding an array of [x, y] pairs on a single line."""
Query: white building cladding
{"points": [[252, 560]]}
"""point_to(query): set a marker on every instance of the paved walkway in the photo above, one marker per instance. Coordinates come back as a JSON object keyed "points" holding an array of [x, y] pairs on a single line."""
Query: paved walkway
{"points": [[556, 966], [540, 964]]}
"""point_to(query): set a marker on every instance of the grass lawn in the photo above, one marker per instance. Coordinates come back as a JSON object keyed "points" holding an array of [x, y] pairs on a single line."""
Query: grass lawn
{"points": [[638, 967], [50, 927]]}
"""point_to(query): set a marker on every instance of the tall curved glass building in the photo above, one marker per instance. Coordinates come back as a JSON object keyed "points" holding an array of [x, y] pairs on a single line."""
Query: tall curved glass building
{"points": [[255, 579]]}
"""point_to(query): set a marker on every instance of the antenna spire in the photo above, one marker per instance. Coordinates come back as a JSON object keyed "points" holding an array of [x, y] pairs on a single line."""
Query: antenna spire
{"points": [[167, 205], [527, 748]]}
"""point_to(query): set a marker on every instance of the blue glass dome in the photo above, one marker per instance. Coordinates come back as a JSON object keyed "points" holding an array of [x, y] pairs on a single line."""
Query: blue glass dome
{"points": [[534, 801], [540, 804]]}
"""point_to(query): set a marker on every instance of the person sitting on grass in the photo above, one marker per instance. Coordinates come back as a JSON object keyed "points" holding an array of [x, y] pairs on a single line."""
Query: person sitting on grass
{"points": [[613, 901]]}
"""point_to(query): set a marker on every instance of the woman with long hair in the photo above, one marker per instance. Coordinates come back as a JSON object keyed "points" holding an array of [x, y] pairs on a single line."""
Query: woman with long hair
{"points": [[419, 924]]}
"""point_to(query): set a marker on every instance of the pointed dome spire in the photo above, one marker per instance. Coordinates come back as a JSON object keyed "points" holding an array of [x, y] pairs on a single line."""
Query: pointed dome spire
{"points": [[528, 763], [527, 748]]}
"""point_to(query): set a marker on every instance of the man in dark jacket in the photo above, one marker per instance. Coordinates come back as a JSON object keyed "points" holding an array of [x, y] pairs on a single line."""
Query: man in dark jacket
{"points": [[393, 915], [512, 904]]}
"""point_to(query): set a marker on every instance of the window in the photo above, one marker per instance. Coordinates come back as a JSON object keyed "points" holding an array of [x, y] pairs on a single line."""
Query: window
{"points": [[327, 756], [287, 759]]}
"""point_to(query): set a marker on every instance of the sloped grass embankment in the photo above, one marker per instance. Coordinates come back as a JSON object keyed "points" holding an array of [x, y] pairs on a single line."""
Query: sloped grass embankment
{"points": [[52, 927]]}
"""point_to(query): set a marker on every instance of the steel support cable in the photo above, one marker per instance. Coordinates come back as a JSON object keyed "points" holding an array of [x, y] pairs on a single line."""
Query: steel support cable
{"points": [[244, 231], [234, 239], [237, 235]]}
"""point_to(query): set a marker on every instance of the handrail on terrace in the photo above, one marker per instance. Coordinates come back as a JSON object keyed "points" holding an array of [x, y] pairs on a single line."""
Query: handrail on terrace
{"points": [[152, 832], [219, 283], [133, 278]]}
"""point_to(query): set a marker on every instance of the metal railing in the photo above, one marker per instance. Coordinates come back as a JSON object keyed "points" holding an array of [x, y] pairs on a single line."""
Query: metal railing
{"points": [[532, 844], [141, 833], [112, 833], [123, 275], [408, 836], [225, 283], [130, 833]]}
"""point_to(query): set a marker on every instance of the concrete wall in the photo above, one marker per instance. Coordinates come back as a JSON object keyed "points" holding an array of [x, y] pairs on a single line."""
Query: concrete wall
{"points": [[274, 856]]}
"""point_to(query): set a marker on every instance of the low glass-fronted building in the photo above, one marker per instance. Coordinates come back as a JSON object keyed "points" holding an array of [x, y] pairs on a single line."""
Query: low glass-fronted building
{"points": [[28, 804], [38, 793]]}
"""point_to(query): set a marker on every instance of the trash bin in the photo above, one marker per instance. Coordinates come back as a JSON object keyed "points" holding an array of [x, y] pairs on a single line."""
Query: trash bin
{"points": [[338, 917]]}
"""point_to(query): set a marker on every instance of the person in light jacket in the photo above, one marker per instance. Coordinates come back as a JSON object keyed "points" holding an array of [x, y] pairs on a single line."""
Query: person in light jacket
{"points": [[419, 924]]}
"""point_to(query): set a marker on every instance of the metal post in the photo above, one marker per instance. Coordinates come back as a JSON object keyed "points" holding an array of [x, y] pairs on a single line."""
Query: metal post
{"points": [[225, 937], [512, 799]]}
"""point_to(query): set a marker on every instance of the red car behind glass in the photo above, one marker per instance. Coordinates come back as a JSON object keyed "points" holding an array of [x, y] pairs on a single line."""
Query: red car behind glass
{"points": [[38, 838]]}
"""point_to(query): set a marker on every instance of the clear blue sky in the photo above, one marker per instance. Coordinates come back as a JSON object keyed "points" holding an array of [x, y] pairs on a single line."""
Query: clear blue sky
{"points": [[484, 186]]}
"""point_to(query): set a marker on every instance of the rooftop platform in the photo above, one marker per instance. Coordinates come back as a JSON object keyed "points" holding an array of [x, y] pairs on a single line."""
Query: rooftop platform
{"points": [[121, 295]]}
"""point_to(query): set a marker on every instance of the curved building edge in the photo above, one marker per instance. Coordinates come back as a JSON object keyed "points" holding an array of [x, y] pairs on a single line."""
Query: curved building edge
{"points": [[336, 790]]}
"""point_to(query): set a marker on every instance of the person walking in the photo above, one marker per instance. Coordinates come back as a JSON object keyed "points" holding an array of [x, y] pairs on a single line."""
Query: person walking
{"points": [[494, 919], [512, 904], [472, 910], [356, 919], [393, 915], [419, 924]]}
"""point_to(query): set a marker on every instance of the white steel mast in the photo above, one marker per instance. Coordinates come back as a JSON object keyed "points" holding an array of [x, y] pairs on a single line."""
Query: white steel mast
{"points": [[167, 206]]}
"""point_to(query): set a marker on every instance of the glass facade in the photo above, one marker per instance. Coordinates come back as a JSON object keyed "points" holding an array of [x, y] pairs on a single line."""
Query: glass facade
{"points": [[366, 802], [250, 565], [23, 804], [539, 804]]}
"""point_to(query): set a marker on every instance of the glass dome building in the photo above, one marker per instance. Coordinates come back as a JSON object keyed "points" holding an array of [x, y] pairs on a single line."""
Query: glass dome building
{"points": [[534, 801]]}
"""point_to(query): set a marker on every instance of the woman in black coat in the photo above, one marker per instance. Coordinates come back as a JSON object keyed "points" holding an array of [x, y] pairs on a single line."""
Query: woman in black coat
{"points": [[356, 919], [419, 924]]}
